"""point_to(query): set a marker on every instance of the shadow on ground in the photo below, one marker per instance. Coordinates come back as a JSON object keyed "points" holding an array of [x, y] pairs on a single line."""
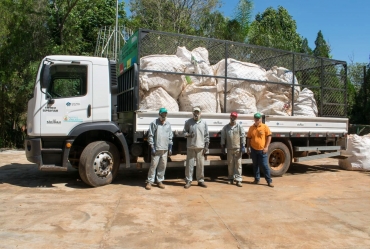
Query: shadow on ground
{"points": [[28, 175]]}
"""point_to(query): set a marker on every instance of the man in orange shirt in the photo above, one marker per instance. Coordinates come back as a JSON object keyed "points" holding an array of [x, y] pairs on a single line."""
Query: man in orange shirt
{"points": [[258, 141]]}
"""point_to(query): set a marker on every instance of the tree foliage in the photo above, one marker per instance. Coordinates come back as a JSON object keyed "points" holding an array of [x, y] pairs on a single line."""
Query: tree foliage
{"points": [[179, 16], [305, 48], [32, 29], [276, 29], [322, 49], [24, 41], [74, 24], [361, 109], [213, 25], [243, 16]]}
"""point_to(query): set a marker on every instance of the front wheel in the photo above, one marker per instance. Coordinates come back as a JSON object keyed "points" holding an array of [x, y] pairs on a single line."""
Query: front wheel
{"points": [[279, 158], [99, 163]]}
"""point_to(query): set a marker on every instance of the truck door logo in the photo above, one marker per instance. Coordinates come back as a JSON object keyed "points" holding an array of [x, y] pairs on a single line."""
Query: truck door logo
{"points": [[53, 121], [72, 105]]}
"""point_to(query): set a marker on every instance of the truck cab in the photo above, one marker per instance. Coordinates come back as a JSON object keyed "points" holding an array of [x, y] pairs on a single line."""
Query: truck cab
{"points": [[73, 105]]}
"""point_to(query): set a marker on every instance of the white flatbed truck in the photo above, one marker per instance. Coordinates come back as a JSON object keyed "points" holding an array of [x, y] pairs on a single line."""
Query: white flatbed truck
{"points": [[83, 115]]}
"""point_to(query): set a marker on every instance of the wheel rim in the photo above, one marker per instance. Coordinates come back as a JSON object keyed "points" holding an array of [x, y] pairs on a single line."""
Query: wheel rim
{"points": [[103, 164], [277, 159]]}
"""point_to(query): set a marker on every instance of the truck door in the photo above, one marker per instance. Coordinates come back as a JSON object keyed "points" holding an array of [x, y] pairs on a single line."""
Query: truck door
{"points": [[67, 101]]}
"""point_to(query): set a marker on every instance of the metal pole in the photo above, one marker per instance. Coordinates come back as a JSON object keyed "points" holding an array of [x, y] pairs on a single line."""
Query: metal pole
{"points": [[116, 34], [293, 68], [225, 92], [365, 88], [321, 87]]}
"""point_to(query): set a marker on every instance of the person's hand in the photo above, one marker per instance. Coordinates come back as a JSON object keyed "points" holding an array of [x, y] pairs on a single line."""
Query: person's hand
{"points": [[243, 149], [153, 150], [188, 135], [170, 150], [248, 150], [265, 150], [205, 150], [223, 149]]}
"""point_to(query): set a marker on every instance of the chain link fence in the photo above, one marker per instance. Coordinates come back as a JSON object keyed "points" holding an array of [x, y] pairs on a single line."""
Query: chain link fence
{"points": [[239, 69]]}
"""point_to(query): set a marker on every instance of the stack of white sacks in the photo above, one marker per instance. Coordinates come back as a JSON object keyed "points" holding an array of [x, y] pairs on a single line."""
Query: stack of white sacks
{"points": [[182, 93]]}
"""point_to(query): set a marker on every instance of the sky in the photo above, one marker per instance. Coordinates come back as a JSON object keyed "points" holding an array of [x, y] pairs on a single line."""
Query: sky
{"points": [[344, 23]]}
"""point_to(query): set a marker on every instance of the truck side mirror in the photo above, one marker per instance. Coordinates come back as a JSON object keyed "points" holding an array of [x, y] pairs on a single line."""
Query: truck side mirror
{"points": [[45, 76]]}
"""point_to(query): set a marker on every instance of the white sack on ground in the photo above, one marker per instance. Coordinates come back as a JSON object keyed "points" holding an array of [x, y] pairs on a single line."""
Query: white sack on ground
{"points": [[239, 100], [274, 104], [305, 105], [238, 69], [173, 84], [359, 149], [157, 98], [204, 97], [196, 62]]}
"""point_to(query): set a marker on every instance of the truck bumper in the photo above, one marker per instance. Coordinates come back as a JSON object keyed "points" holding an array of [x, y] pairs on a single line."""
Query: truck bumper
{"points": [[33, 150], [47, 159]]}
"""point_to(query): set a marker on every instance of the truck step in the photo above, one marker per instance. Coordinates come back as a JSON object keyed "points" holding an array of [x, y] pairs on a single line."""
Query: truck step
{"points": [[51, 150], [324, 155], [52, 168]]}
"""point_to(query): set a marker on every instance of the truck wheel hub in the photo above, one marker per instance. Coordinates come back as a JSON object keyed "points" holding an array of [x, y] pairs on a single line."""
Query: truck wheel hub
{"points": [[277, 158], [103, 164]]}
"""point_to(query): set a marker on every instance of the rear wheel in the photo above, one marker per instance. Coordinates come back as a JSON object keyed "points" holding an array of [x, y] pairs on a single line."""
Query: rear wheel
{"points": [[278, 158], [99, 163]]}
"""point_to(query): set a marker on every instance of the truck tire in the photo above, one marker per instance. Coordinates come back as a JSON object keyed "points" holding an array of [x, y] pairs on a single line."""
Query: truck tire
{"points": [[278, 158], [99, 163]]}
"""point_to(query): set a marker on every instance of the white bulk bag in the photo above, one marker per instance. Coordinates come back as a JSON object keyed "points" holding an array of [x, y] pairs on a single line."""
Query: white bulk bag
{"points": [[305, 105], [359, 150], [274, 104], [239, 100], [282, 75], [157, 98], [196, 62], [204, 97], [173, 84], [238, 69]]}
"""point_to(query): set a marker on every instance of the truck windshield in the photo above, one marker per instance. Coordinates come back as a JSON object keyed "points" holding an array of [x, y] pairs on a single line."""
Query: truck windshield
{"points": [[68, 81]]}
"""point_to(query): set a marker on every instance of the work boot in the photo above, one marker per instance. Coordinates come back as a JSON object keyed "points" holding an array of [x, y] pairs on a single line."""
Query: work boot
{"points": [[255, 182], [202, 184], [270, 184], [239, 184], [230, 182], [148, 186], [161, 185], [187, 185]]}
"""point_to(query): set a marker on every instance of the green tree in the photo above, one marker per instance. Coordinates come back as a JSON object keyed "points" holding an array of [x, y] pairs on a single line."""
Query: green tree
{"points": [[74, 24], [305, 48], [31, 29], [179, 16], [361, 110], [322, 49], [242, 21], [276, 29], [23, 42], [213, 25], [356, 74], [355, 80]]}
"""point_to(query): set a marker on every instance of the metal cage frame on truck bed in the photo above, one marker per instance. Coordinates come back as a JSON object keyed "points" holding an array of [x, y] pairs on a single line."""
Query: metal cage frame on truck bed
{"points": [[326, 78]]}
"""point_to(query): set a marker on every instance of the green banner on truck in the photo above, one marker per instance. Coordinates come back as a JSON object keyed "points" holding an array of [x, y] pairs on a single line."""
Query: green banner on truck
{"points": [[128, 54]]}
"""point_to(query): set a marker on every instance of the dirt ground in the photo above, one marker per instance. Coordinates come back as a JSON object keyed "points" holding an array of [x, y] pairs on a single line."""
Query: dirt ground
{"points": [[314, 205]]}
